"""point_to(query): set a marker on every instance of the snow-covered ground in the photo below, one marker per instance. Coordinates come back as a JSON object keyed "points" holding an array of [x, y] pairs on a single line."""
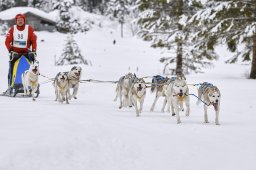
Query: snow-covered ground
{"points": [[92, 133]]}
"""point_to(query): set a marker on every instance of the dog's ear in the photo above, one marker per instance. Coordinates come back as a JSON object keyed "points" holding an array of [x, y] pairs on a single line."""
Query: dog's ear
{"points": [[73, 68]]}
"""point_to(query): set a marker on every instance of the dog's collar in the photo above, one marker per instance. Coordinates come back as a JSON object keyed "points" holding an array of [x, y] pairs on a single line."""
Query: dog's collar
{"points": [[180, 98], [74, 78], [177, 94]]}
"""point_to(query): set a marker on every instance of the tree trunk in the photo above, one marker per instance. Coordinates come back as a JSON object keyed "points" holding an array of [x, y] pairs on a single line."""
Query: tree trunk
{"points": [[253, 69], [122, 30], [179, 63], [179, 57]]}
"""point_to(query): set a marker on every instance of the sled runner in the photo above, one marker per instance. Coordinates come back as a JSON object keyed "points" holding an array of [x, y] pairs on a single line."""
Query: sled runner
{"points": [[14, 78]]}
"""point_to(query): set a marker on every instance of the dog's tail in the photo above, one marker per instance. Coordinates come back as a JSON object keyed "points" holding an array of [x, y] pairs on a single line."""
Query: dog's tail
{"points": [[117, 92]]}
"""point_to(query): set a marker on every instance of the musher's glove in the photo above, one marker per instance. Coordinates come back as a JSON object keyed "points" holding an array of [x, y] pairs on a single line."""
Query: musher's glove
{"points": [[32, 56]]}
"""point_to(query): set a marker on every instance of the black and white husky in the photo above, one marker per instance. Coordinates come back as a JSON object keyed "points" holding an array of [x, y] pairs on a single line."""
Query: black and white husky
{"points": [[159, 86], [30, 80], [74, 76], [211, 96], [123, 90], [177, 95], [138, 93], [61, 85]]}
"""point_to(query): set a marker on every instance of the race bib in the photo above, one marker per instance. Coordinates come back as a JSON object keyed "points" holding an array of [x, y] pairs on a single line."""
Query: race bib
{"points": [[20, 37]]}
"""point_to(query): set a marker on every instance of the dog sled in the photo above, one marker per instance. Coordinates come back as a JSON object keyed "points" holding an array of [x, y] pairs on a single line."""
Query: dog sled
{"points": [[16, 70]]}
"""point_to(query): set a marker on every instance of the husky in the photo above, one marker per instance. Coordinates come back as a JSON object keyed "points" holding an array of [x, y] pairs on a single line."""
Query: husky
{"points": [[159, 86], [30, 80], [138, 93], [74, 76], [61, 85], [211, 96], [123, 90], [177, 95]]}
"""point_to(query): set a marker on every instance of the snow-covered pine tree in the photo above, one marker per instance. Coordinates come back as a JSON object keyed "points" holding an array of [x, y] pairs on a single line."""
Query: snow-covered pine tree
{"points": [[6, 4], [91, 5], [20, 3], [63, 24], [67, 23], [231, 22], [39, 4], [164, 23], [120, 9], [71, 53], [84, 4]]}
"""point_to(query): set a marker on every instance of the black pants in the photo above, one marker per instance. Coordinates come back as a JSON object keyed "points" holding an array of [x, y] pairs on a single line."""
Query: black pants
{"points": [[13, 58]]}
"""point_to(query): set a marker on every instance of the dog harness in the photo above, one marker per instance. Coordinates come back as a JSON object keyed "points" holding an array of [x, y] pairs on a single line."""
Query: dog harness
{"points": [[204, 86], [158, 78]]}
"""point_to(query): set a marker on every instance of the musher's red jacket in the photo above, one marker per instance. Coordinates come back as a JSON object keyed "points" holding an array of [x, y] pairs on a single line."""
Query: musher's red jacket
{"points": [[30, 41]]}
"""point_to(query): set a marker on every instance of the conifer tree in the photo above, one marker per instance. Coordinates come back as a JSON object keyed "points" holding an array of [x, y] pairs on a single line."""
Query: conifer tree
{"points": [[231, 22], [164, 23], [71, 53]]}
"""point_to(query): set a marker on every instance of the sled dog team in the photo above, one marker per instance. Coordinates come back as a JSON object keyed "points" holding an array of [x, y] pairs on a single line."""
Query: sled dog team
{"points": [[63, 82], [131, 91]]}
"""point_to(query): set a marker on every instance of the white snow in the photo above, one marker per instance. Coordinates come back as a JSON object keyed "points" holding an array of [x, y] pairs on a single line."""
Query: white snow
{"points": [[92, 133]]}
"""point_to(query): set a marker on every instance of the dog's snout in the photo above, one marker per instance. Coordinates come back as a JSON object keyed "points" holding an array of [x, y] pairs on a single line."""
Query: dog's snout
{"points": [[140, 85], [217, 101], [181, 90]]}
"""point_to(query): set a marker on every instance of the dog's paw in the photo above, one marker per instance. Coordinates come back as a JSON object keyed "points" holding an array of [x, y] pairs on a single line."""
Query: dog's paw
{"points": [[217, 123], [34, 99], [173, 114], [75, 97], [206, 121], [162, 110], [179, 122], [120, 107]]}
